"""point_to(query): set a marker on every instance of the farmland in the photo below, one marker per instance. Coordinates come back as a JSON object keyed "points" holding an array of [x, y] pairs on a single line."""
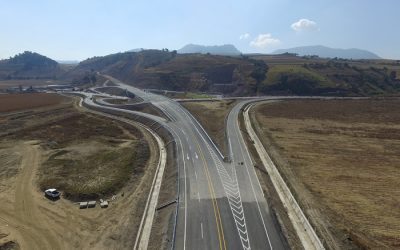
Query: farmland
{"points": [[16, 102], [340, 157]]}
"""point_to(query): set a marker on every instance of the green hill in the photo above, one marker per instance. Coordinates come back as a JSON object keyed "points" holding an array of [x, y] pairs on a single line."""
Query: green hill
{"points": [[169, 70], [29, 65], [284, 74]]}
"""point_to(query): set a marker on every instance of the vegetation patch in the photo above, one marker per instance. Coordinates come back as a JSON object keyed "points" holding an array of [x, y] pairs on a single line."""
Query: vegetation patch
{"points": [[101, 173], [89, 156], [212, 115]]}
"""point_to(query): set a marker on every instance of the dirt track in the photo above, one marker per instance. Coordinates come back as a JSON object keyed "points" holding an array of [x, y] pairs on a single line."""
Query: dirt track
{"points": [[34, 222], [27, 224]]}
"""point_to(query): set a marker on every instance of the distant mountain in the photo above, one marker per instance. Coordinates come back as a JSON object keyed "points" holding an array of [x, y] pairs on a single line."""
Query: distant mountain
{"points": [[326, 52], [68, 61], [227, 49], [29, 65]]}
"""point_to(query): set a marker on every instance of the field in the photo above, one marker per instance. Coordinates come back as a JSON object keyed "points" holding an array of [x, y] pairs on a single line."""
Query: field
{"points": [[5, 84], [341, 159], [211, 115], [87, 157], [16, 102]]}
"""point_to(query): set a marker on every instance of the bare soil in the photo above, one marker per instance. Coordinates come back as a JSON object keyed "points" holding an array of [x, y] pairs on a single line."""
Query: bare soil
{"points": [[341, 159], [4, 84], [16, 102], [212, 116], [100, 153]]}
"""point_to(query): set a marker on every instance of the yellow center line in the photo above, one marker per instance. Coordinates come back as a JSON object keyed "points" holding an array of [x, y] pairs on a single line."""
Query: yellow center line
{"points": [[221, 237]]}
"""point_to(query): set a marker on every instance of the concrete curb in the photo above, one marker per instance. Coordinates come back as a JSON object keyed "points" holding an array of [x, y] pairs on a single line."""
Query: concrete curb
{"points": [[152, 200], [305, 231]]}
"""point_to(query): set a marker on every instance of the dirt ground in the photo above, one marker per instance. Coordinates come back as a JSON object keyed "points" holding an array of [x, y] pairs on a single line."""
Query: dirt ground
{"points": [[212, 115], [4, 84], [15, 102], [28, 220], [341, 159]]}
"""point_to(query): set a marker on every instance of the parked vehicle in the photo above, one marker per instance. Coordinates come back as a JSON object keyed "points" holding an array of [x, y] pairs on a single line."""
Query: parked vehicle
{"points": [[52, 193]]}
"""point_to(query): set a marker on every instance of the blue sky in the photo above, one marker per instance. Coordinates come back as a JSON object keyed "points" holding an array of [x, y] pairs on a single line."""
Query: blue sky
{"points": [[78, 29]]}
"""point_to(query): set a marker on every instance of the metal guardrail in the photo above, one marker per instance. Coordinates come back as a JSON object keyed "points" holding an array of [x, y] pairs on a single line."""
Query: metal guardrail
{"points": [[166, 204]]}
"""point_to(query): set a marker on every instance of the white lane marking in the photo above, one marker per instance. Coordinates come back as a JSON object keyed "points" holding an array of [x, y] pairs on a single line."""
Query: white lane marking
{"points": [[197, 157], [198, 196], [226, 179], [187, 156], [240, 138], [184, 168], [195, 173], [230, 148], [201, 225], [231, 188]]}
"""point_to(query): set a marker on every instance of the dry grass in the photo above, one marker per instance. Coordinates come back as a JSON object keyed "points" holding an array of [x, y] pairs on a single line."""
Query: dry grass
{"points": [[212, 115], [342, 160], [88, 156], [18, 102], [97, 174], [146, 108]]}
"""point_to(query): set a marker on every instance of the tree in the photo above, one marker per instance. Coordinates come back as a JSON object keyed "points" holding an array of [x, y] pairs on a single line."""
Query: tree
{"points": [[393, 75], [93, 79], [86, 79]]}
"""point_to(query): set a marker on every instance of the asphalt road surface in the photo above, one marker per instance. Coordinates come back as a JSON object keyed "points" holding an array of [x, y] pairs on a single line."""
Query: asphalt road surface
{"points": [[221, 205]]}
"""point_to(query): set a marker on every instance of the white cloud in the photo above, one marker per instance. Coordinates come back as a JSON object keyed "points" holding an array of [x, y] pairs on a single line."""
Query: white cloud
{"points": [[244, 36], [263, 41], [304, 25]]}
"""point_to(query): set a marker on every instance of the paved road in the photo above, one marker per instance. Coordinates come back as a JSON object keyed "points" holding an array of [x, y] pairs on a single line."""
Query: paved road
{"points": [[221, 205]]}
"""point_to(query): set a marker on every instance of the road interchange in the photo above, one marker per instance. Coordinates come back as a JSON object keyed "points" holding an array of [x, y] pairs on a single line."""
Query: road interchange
{"points": [[220, 203]]}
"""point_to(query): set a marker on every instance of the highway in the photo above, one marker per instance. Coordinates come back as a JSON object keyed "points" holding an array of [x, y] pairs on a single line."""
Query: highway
{"points": [[221, 204]]}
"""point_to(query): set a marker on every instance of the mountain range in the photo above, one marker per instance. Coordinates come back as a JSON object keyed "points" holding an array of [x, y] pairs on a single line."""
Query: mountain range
{"points": [[245, 75], [326, 52]]}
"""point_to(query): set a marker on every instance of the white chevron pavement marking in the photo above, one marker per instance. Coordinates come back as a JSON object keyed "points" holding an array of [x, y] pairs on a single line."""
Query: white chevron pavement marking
{"points": [[232, 191]]}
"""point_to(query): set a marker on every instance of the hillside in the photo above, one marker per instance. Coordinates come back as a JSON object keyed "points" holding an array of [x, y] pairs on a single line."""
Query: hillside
{"points": [[29, 65], [326, 52], [227, 49], [292, 75], [156, 69], [248, 75]]}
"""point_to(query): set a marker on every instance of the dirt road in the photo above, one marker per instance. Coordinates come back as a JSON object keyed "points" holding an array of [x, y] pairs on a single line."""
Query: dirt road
{"points": [[34, 222], [28, 224]]}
